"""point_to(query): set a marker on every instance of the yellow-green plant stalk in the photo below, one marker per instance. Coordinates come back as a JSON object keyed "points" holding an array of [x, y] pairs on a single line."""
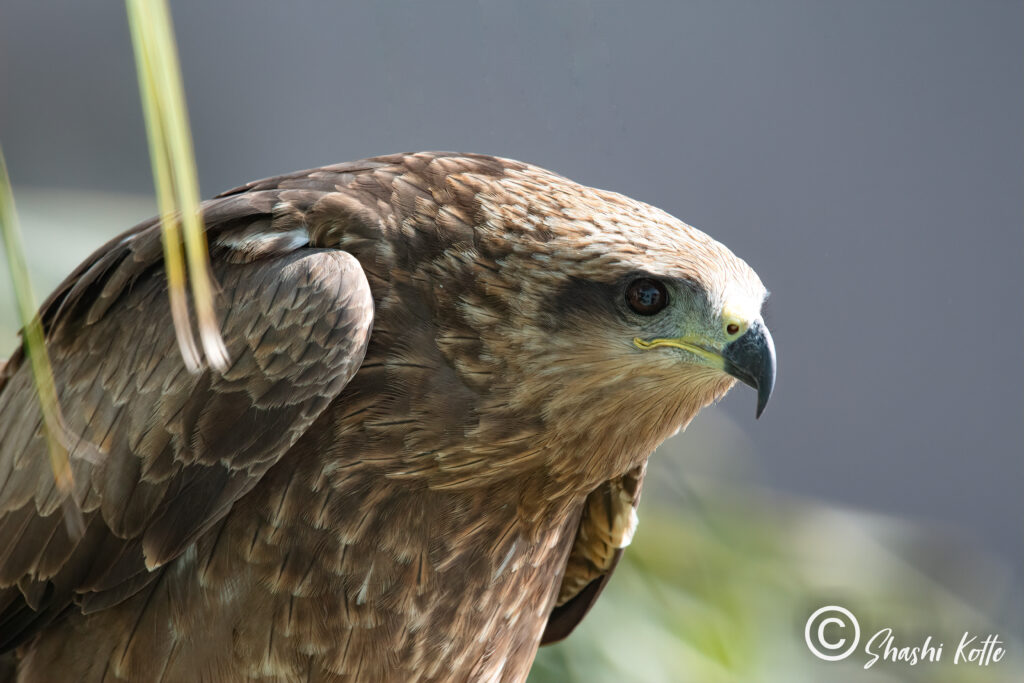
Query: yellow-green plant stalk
{"points": [[34, 342], [174, 175]]}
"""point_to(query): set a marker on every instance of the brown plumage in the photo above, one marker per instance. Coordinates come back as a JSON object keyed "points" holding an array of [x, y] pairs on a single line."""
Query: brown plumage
{"points": [[432, 511]]}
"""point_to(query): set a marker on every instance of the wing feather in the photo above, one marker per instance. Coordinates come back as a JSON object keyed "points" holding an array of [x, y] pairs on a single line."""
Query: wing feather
{"points": [[606, 528], [160, 455]]}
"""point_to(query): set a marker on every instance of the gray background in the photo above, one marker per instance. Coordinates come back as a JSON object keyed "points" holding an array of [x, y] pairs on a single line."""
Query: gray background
{"points": [[865, 157]]}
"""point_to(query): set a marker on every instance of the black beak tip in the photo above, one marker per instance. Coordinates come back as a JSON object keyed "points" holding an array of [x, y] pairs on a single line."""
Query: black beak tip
{"points": [[764, 392]]}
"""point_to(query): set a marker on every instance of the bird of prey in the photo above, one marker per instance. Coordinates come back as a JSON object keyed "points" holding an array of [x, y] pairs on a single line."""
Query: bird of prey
{"points": [[446, 375]]}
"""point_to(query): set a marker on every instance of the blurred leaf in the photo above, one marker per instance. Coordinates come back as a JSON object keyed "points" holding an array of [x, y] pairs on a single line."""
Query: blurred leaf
{"points": [[34, 343], [174, 175], [719, 583]]}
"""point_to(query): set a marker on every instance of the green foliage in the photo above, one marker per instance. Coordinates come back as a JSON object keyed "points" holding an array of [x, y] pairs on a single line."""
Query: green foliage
{"points": [[35, 351], [175, 178], [719, 583]]}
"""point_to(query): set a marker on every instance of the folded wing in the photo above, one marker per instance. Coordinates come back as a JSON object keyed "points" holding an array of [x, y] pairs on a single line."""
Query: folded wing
{"points": [[159, 454]]}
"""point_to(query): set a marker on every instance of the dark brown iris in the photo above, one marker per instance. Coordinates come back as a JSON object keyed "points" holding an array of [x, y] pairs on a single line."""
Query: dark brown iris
{"points": [[646, 296]]}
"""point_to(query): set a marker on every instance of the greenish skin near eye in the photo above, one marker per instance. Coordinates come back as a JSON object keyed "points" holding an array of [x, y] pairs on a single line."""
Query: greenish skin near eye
{"points": [[646, 296]]}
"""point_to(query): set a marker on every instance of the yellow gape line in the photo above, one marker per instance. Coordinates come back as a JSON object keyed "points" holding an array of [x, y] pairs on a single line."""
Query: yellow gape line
{"points": [[691, 344]]}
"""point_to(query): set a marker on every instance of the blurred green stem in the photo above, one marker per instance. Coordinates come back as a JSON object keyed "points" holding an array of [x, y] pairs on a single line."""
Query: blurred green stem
{"points": [[174, 175], [35, 350]]}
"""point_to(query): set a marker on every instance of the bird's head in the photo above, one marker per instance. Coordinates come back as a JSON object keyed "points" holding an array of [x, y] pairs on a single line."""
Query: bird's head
{"points": [[624, 321]]}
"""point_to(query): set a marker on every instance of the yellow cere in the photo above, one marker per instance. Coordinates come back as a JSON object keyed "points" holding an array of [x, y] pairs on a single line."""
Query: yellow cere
{"points": [[730, 317]]}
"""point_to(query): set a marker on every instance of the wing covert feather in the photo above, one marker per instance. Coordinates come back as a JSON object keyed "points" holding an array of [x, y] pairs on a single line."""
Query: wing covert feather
{"points": [[160, 454]]}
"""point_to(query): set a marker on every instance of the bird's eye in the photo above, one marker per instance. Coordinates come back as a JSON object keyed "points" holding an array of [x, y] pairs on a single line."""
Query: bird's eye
{"points": [[646, 296]]}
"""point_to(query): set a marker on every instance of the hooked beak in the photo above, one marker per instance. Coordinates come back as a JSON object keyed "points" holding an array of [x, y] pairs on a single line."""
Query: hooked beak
{"points": [[751, 360]]}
